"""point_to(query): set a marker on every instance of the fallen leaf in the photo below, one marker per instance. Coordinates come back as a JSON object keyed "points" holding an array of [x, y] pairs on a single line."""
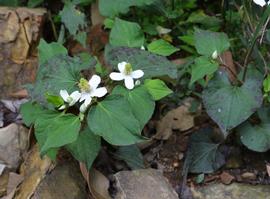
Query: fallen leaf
{"points": [[96, 17], [99, 185], [268, 169], [19, 94], [227, 59], [34, 170], [226, 178], [178, 119], [2, 168], [13, 181], [249, 176]]}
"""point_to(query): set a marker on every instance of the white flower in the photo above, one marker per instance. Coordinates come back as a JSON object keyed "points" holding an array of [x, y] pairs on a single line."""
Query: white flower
{"points": [[162, 31], [126, 74], [89, 89], [70, 99], [142, 48], [261, 2], [215, 55]]}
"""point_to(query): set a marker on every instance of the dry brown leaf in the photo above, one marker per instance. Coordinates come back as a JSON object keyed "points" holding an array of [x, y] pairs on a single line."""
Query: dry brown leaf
{"points": [[96, 17], [99, 185], [34, 170], [227, 59], [226, 178], [178, 119], [268, 169], [19, 94]]}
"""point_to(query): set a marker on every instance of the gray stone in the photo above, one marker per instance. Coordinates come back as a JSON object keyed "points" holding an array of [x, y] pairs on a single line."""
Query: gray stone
{"points": [[13, 143], [233, 191], [143, 184], [64, 182]]}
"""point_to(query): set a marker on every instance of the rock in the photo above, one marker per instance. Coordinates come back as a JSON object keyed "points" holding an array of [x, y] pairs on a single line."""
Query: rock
{"points": [[13, 143], [143, 184], [64, 182], [233, 191], [19, 36]]}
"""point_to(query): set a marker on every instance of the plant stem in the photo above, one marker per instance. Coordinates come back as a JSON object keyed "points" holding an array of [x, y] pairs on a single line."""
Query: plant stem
{"points": [[254, 39]]}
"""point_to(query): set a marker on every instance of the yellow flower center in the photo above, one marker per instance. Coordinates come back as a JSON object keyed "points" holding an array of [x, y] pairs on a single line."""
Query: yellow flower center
{"points": [[84, 86], [128, 69]]}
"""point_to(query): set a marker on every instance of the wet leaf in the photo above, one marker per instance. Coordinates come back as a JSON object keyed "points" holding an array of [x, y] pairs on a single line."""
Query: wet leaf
{"points": [[118, 126], [230, 105], [86, 148], [152, 65], [203, 155], [207, 42], [131, 155]]}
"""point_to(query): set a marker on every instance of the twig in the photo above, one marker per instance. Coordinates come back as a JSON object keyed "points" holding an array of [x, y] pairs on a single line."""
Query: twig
{"points": [[264, 29]]}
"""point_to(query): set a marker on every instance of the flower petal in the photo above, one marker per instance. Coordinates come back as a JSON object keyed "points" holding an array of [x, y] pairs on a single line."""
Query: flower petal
{"points": [[121, 66], [84, 96], [75, 95], [99, 92], [64, 94], [260, 2], [88, 101], [137, 74], [83, 108], [117, 76], [129, 82], [94, 81], [62, 107]]}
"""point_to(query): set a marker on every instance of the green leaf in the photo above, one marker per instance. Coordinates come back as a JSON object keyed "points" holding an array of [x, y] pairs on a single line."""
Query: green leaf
{"points": [[207, 42], [108, 23], [266, 84], [30, 112], [157, 88], [34, 3], [230, 105], [256, 138], [125, 33], [9, 3], [113, 119], [203, 155], [162, 47], [54, 99], [46, 51], [203, 66], [72, 18], [54, 130], [140, 101], [81, 37], [201, 18], [115, 7], [86, 148], [131, 155], [151, 64], [60, 72]]}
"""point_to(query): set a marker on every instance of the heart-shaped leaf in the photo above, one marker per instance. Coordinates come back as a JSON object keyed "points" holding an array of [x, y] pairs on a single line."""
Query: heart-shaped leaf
{"points": [[141, 102], [207, 42], [86, 148], [203, 155], [152, 65], [113, 119], [125, 33], [230, 105]]}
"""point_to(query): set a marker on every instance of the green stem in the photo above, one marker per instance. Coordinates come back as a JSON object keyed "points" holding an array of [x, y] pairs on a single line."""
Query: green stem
{"points": [[254, 39]]}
